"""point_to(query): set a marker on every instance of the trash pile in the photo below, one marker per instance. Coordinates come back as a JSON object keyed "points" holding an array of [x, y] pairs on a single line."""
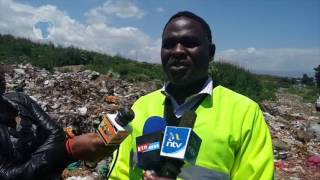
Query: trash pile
{"points": [[75, 98], [78, 100], [295, 130]]}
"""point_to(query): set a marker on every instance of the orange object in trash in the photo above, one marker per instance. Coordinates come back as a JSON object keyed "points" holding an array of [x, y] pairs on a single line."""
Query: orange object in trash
{"points": [[111, 99]]}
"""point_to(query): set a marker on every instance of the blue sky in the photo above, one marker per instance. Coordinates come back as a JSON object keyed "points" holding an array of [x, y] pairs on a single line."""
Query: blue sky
{"points": [[270, 36]]}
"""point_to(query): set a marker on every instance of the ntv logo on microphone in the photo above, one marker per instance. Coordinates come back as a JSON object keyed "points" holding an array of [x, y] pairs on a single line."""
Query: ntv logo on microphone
{"points": [[181, 143], [175, 141]]}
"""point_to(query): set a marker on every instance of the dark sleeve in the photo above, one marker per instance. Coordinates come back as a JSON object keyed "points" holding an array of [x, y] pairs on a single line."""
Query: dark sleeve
{"points": [[50, 158], [30, 107], [47, 164], [5, 144]]}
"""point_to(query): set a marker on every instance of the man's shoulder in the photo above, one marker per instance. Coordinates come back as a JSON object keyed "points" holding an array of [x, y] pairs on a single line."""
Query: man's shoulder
{"points": [[151, 98], [225, 93], [151, 95]]}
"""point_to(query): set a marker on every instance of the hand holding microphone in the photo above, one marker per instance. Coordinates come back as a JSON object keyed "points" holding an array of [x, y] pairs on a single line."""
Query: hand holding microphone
{"points": [[88, 147], [151, 175], [111, 132]]}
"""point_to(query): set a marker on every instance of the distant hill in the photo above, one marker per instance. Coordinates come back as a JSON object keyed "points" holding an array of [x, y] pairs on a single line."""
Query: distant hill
{"points": [[291, 74], [19, 50]]}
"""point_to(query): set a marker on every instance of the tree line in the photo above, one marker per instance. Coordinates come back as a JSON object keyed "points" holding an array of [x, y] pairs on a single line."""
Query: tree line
{"points": [[47, 55]]}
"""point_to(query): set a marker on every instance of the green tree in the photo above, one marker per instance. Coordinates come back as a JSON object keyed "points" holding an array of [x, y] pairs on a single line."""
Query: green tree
{"points": [[307, 80], [317, 76]]}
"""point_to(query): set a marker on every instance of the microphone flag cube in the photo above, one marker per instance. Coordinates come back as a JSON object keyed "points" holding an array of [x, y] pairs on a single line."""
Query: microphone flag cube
{"points": [[180, 143], [111, 132]]}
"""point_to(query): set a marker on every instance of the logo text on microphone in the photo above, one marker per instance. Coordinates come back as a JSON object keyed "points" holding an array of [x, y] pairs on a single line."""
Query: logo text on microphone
{"points": [[148, 147]]}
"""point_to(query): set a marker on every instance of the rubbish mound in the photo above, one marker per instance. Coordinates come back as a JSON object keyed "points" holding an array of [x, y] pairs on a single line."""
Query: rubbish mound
{"points": [[295, 130], [75, 98], [78, 99]]}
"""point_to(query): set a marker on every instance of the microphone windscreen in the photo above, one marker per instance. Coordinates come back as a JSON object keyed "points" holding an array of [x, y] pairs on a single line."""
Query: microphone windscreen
{"points": [[148, 145], [125, 116], [154, 124]]}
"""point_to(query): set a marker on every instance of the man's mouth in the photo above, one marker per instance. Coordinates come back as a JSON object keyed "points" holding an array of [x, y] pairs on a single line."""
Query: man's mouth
{"points": [[178, 67]]}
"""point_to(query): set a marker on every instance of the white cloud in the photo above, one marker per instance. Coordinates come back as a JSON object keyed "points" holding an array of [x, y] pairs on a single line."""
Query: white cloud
{"points": [[118, 8], [160, 9], [289, 61], [18, 19], [251, 50]]}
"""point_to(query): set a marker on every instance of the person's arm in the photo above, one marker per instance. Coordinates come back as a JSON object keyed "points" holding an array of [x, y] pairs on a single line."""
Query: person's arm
{"points": [[40, 118], [84, 147], [49, 159], [254, 159], [52, 161], [52, 156], [39, 166], [89, 147]]}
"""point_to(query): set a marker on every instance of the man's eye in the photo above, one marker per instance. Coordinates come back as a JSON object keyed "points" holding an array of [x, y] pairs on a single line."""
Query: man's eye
{"points": [[189, 43], [168, 45]]}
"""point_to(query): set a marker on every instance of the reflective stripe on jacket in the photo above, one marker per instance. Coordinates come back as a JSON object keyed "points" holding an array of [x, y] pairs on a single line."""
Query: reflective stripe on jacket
{"points": [[236, 143]]}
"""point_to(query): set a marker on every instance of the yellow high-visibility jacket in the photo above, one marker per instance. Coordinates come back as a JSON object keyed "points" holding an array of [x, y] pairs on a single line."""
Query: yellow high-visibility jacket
{"points": [[236, 143]]}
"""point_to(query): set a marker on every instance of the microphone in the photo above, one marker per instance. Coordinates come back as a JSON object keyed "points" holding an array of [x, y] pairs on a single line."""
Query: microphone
{"points": [[113, 128], [148, 145], [154, 124], [179, 145]]}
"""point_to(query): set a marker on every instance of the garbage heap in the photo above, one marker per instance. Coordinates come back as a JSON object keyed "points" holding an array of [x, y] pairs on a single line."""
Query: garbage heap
{"points": [[295, 130], [78, 100]]}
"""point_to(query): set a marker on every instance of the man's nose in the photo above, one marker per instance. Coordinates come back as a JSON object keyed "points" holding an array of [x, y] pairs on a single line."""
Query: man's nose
{"points": [[178, 50]]}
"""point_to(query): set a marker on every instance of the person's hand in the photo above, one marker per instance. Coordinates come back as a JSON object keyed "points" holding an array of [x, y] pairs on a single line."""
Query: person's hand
{"points": [[90, 147], [151, 175]]}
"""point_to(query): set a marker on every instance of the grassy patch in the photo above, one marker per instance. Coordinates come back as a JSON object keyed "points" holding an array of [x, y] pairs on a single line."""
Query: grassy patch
{"points": [[308, 93]]}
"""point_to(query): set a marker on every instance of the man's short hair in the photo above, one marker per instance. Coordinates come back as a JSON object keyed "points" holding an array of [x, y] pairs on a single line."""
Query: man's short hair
{"points": [[195, 17]]}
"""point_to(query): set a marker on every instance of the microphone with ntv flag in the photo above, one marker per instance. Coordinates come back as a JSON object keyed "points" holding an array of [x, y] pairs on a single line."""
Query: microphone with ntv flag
{"points": [[165, 149]]}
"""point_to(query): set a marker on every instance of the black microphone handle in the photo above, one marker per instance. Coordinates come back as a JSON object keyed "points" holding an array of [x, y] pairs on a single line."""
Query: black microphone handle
{"points": [[171, 168]]}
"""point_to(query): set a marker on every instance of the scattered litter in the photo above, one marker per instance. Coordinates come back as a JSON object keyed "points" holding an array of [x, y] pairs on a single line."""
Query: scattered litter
{"points": [[73, 166], [294, 127], [78, 99]]}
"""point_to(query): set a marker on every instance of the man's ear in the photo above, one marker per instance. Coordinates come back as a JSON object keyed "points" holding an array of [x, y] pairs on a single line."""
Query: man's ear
{"points": [[212, 51]]}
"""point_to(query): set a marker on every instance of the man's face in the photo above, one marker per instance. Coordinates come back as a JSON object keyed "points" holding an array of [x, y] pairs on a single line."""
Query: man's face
{"points": [[186, 51]]}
